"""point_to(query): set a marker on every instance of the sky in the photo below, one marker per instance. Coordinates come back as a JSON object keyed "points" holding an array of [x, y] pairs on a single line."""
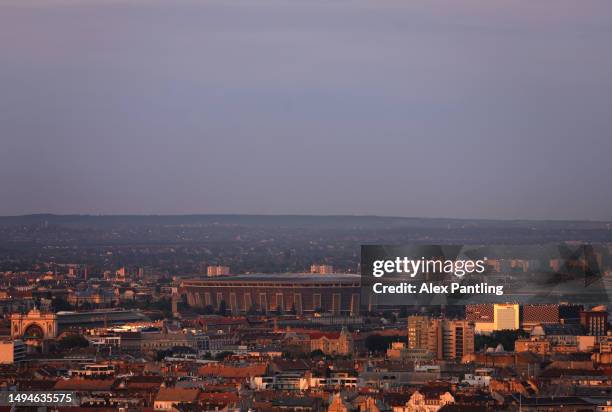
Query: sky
{"points": [[462, 109]]}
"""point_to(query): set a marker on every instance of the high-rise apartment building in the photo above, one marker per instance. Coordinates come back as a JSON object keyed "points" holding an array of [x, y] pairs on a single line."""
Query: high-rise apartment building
{"points": [[595, 321], [418, 329], [451, 339], [445, 339], [506, 316]]}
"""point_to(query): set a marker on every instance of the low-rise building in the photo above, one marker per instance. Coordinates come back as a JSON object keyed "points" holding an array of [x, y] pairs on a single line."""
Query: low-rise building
{"points": [[12, 351], [427, 399], [93, 370], [332, 343], [167, 399], [481, 377], [535, 344]]}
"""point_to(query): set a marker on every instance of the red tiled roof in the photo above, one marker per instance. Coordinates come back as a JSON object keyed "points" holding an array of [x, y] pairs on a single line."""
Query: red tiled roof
{"points": [[177, 395], [291, 365], [36, 384], [85, 384], [219, 397], [144, 382], [228, 371]]}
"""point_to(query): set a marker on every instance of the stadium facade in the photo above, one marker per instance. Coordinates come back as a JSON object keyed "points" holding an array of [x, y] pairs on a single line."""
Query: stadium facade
{"points": [[284, 293]]}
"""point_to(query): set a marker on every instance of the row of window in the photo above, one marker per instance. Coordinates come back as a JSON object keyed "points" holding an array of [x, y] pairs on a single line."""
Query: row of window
{"points": [[279, 302]]}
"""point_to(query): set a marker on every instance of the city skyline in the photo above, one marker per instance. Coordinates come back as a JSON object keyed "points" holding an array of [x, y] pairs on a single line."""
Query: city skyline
{"points": [[305, 206], [297, 215]]}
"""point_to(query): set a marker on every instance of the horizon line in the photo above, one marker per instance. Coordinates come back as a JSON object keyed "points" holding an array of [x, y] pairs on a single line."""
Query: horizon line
{"points": [[299, 215]]}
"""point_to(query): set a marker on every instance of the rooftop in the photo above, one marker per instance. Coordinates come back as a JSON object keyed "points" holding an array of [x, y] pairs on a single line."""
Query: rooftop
{"points": [[277, 277], [177, 395]]}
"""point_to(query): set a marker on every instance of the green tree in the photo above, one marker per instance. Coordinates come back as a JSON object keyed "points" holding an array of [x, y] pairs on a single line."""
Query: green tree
{"points": [[380, 343], [160, 355], [73, 341], [317, 353], [59, 304], [504, 337]]}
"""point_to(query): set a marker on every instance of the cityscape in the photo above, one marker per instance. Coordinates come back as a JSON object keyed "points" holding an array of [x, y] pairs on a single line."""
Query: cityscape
{"points": [[305, 206], [182, 320]]}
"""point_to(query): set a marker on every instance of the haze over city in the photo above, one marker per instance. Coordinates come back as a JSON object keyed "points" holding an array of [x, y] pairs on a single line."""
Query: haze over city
{"points": [[305, 205], [462, 109]]}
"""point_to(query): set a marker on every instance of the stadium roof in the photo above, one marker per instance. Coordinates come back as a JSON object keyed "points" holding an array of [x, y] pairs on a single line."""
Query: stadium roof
{"points": [[280, 277]]}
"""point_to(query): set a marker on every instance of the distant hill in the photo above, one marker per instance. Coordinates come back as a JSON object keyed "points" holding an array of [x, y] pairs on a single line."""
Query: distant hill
{"points": [[292, 221]]}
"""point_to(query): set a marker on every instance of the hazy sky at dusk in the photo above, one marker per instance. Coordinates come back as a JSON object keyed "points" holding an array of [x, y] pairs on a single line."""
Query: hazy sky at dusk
{"points": [[493, 109]]}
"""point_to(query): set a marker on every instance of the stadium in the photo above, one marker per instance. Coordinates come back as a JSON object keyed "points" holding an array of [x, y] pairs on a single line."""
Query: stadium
{"points": [[284, 293]]}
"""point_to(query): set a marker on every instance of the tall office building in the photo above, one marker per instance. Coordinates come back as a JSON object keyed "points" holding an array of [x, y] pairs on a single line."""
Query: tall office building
{"points": [[595, 321], [451, 339], [506, 316], [418, 329]]}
